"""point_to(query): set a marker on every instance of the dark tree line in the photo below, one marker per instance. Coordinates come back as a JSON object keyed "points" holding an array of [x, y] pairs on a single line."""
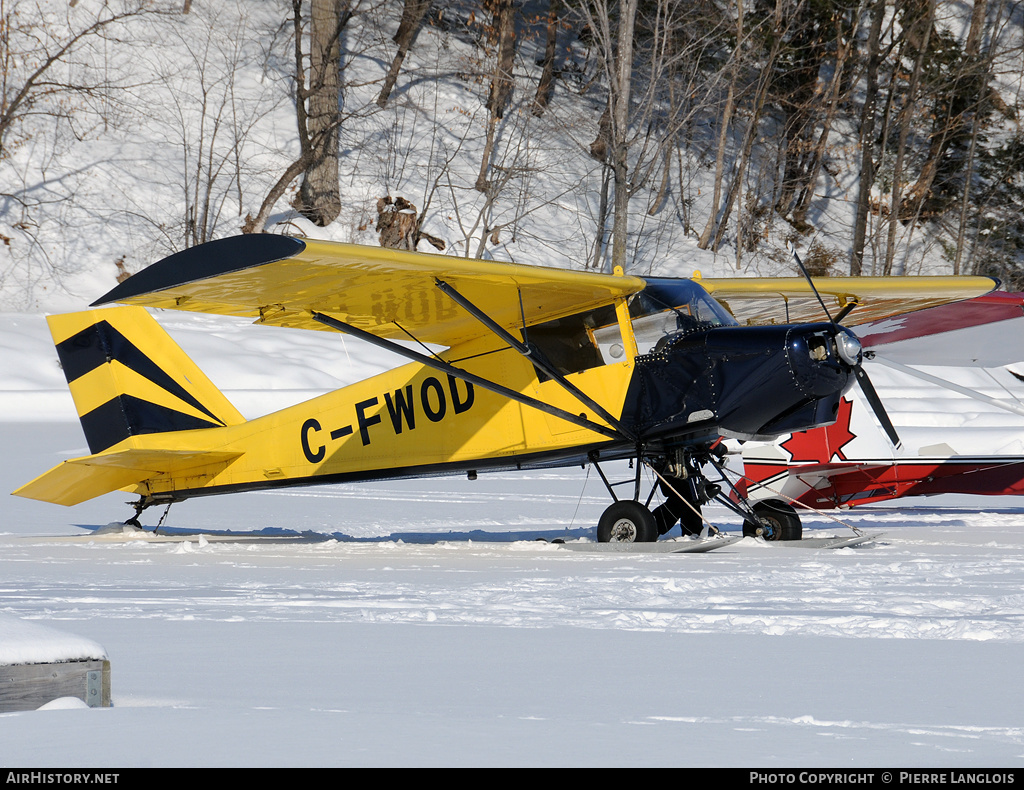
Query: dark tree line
{"points": [[856, 128], [885, 118]]}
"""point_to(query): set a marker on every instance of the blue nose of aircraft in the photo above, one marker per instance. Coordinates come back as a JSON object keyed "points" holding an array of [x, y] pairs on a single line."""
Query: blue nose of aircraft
{"points": [[821, 358], [793, 382], [745, 382]]}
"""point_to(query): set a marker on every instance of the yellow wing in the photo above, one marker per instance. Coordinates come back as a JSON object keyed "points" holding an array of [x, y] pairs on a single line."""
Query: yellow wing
{"points": [[280, 280], [786, 300]]}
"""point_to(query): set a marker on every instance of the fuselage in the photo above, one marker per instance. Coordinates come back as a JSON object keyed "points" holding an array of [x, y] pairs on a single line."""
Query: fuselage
{"points": [[697, 377]]}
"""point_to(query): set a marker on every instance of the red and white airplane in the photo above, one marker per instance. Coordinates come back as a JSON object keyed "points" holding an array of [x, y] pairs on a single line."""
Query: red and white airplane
{"points": [[956, 399]]}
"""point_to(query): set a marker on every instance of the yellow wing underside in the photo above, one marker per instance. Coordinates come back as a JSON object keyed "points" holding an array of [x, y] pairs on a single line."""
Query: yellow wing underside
{"points": [[788, 300], [390, 293]]}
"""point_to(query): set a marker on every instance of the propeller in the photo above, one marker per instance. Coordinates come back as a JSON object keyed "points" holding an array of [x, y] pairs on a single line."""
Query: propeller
{"points": [[850, 352]]}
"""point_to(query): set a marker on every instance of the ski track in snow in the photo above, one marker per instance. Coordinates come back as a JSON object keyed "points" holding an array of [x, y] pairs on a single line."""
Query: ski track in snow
{"points": [[922, 584]]}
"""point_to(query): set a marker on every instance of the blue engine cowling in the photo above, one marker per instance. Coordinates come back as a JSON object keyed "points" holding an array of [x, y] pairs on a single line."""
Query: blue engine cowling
{"points": [[746, 382]]}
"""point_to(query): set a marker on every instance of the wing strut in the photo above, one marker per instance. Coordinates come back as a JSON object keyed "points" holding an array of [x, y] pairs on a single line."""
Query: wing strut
{"points": [[537, 360], [444, 367], [949, 385]]}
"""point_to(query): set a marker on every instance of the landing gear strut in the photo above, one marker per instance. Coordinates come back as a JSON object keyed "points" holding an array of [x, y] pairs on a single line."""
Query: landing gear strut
{"points": [[142, 504], [686, 488], [681, 483]]}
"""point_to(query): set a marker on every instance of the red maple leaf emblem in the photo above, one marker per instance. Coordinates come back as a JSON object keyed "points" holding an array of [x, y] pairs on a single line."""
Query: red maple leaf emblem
{"points": [[820, 445]]}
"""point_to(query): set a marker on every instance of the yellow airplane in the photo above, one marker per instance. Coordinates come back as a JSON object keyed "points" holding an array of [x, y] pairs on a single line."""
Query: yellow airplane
{"points": [[541, 367]]}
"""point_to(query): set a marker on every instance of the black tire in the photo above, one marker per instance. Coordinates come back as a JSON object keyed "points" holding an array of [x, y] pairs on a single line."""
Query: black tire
{"points": [[780, 517], [627, 522]]}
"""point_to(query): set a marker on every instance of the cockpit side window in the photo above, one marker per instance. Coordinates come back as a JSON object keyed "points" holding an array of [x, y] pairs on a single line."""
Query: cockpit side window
{"points": [[664, 308], [579, 342]]}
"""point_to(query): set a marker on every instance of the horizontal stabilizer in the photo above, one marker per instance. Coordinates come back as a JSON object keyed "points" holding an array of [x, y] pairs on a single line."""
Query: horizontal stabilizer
{"points": [[80, 479]]}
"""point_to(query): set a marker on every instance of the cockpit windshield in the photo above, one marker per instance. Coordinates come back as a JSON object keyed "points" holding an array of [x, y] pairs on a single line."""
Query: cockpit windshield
{"points": [[684, 297], [667, 306]]}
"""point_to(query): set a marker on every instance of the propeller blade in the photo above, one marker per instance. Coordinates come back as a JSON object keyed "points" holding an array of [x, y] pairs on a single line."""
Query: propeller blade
{"points": [[862, 377], [810, 282], [876, 406]]}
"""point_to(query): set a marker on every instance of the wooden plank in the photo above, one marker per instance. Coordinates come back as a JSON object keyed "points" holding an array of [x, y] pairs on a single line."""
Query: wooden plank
{"points": [[30, 686]]}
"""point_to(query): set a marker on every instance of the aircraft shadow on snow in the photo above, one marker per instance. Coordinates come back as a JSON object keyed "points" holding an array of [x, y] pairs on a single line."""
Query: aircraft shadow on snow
{"points": [[271, 534]]}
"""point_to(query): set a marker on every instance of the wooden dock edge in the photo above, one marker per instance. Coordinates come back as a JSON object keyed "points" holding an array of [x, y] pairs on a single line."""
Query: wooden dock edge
{"points": [[30, 686]]}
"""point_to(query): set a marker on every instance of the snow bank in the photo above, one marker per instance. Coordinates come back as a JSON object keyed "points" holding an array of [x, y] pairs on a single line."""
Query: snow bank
{"points": [[23, 642]]}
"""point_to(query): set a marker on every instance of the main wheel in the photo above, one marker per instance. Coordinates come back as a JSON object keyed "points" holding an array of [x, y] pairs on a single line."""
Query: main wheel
{"points": [[780, 517], [627, 522]]}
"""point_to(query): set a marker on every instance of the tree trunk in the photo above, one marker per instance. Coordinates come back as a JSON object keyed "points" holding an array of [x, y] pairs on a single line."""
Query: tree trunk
{"points": [[594, 262], [622, 82], [716, 196], [952, 107], [926, 23], [799, 104], [741, 168], [501, 82], [412, 18], [844, 45], [867, 140], [723, 138], [965, 198], [545, 86], [319, 195], [750, 134], [603, 142]]}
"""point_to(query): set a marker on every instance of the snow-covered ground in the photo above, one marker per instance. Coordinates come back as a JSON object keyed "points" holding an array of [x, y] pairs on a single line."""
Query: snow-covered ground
{"points": [[420, 622]]}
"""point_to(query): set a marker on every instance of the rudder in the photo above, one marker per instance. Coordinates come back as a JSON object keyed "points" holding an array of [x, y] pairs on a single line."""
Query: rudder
{"points": [[128, 377]]}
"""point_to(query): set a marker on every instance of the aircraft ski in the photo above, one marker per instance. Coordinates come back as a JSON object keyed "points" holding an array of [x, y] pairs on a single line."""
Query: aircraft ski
{"points": [[835, 542], [673, 546], [510, 367]]}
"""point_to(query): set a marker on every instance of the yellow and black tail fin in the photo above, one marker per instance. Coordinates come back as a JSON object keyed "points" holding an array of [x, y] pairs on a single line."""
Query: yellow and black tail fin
{"points": [[128, 378]]}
